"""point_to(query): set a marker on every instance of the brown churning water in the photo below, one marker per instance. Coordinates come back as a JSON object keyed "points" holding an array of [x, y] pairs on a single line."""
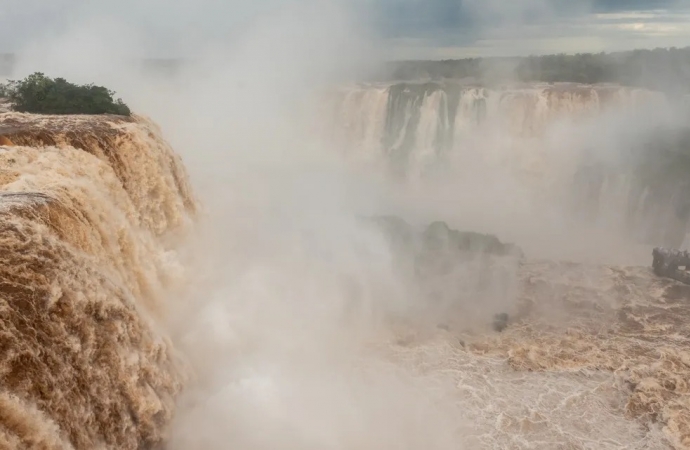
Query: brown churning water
{"points": [[88, 209]]}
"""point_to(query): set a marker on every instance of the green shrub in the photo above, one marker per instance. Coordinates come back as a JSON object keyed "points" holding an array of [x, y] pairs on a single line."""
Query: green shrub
{"points": [[40, 94]]}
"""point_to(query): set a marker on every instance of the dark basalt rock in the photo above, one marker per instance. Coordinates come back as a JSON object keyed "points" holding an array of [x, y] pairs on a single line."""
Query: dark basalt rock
{"points": [[451, 267], [667, 262], [500, 322], [439, 237]]}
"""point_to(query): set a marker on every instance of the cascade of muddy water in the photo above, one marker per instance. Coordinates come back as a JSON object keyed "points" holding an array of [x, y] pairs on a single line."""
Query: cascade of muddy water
{"points": [[313, 335], [595, 351], [542, 137], [90, 210]]}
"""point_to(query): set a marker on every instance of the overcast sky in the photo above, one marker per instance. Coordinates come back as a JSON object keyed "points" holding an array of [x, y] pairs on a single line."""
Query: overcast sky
{"points": [[411, 28]]}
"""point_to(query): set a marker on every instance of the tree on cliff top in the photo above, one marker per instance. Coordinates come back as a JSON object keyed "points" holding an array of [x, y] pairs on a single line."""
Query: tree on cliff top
{"points": [[40, 94]]}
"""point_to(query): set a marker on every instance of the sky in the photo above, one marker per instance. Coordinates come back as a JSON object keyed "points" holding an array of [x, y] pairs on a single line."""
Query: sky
{"points": [[442, 29], [410, 29]]}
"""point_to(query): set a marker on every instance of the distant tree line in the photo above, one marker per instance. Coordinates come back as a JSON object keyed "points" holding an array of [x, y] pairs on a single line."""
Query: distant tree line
{"points": [[40, 94], [664, 69]]}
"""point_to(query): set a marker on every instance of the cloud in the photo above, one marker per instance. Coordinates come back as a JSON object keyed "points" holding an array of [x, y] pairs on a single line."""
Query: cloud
{"points": [[412, 28], [165, 26], [499, 28], [636, 5]]}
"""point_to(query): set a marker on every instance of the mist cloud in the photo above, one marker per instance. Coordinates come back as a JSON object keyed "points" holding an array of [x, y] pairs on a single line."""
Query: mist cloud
{"points": [[267, 323], [411, 28]]}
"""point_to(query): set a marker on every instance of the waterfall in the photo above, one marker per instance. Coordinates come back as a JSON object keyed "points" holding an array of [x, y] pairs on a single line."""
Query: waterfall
{"points": [[535, 134]]}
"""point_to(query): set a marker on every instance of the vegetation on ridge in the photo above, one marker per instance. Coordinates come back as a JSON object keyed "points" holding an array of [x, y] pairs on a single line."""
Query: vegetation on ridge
{"points": [[664, 69], [40, 94]]}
